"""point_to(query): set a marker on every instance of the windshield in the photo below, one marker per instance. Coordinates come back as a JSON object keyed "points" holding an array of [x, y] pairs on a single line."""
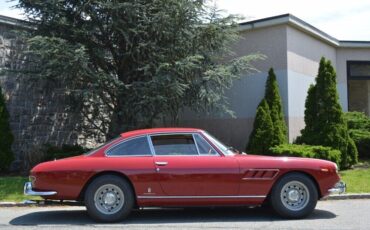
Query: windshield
{"points": [[225, 150], [100, 146]]}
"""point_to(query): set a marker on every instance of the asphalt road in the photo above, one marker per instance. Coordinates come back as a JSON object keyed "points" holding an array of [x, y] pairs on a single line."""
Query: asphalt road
{"points": [[343, 214]]}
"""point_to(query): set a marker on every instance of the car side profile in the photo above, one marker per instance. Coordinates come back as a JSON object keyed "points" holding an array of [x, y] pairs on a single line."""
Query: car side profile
{"points": [[166, 167]]}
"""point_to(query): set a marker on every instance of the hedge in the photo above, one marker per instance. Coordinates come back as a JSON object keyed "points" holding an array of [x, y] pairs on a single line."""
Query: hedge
{"points": [[309, 151], [357, 120], [362, 141], [53, 152]]}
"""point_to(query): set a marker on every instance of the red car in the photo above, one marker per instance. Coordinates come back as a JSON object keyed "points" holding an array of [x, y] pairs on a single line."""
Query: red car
{"points": [[182, 167]]}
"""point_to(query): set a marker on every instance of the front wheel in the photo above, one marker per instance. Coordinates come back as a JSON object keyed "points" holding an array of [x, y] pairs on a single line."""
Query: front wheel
{"points": [[294, 196], [109, 198]]}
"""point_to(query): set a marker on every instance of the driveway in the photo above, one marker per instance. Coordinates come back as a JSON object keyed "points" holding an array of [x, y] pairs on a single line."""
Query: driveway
{"points": [[342, 214]]}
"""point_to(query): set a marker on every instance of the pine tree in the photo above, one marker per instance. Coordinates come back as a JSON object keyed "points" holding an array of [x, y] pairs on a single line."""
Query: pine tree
{"points": [[325, 124], [273, 99], [260, 139], [6, 137]]}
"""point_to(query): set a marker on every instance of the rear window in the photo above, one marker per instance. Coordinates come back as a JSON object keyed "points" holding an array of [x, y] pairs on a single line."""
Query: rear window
{"points": [[134, 147]]}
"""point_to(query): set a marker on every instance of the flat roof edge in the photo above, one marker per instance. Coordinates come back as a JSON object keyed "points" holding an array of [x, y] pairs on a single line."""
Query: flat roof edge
{"points": [[299, 24], [15, 22]]}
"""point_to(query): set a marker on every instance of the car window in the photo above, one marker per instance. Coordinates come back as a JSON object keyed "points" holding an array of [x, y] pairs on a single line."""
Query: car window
{"points": [[203, 146], [137, 146], [178, 144]]}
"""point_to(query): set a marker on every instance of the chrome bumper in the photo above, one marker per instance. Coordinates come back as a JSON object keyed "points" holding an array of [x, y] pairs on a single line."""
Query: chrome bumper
{"points": [[339, 188], [28, 191]]}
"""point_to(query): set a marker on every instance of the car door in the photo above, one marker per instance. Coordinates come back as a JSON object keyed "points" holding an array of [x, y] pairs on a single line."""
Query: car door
{"points": [[133, 157], [188, 165]]}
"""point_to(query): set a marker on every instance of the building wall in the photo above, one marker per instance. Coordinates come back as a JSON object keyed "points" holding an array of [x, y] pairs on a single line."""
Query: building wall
{"points": [[303, 56], [38, 115], [246, 93]]}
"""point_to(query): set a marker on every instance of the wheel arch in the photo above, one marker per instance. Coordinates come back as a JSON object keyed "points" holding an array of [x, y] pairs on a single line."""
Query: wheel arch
{"points": [[299, 172], [104, 173]]}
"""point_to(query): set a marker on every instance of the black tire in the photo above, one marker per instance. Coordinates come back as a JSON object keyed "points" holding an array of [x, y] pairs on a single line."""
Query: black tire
{"points": [[287, 203], [109, 188]]}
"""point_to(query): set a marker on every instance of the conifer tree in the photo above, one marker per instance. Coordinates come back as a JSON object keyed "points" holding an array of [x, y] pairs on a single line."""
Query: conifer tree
{"points": [[269, 127], [6, 137], [273, 99], [325, 124], [260, 139]]}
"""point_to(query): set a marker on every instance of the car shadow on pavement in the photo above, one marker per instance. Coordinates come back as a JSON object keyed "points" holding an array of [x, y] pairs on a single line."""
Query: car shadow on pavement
{"points": [[162, 216]]}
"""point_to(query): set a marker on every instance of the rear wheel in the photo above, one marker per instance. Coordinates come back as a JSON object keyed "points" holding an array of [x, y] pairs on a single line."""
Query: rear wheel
{"points": [[109, 198], [294, 196]]}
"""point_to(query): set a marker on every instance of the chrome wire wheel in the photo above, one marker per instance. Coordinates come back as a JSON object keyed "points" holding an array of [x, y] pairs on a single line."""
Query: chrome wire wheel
{"points": [[295, 195], [109, 199]]}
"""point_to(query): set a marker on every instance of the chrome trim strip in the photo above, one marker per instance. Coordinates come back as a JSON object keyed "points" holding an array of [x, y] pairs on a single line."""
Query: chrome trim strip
{"points": [[198, 197], [27, 190], [196, 144]]}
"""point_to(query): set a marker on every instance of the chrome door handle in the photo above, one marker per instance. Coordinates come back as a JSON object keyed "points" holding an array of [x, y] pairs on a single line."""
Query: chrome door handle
{"points": [[161, 163]]}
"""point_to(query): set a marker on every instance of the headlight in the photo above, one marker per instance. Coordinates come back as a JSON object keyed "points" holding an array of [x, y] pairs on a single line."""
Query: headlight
{"points": [[336, 168]]}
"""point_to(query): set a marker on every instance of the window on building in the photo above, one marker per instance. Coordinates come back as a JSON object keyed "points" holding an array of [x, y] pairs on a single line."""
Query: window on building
{"points": [[359, 86]]}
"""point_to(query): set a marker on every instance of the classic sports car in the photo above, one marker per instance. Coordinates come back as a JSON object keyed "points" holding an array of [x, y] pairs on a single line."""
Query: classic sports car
{"points": [[182, 167]]}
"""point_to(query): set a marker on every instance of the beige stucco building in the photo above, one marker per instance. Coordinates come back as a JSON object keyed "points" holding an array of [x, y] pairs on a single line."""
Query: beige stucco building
{"points": [[293, 48]]}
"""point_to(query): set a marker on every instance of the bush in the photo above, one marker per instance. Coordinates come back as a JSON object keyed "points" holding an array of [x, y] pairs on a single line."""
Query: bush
{"points": [[309, 151], [362, 141], [357, 120], [324, 118], [260, 139], [54, 152]]}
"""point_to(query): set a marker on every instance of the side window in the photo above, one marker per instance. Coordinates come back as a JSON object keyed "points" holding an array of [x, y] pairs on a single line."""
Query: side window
{"points": [[178, 144], [203, 146], [137, 146]]}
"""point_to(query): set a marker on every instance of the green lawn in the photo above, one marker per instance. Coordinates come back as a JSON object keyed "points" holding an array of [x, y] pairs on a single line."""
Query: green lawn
{"points": [[357, 179], [11, 189]]}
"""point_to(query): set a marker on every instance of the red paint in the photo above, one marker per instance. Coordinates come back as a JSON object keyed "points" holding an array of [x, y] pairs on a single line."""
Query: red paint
{"points": [[238, 175]]}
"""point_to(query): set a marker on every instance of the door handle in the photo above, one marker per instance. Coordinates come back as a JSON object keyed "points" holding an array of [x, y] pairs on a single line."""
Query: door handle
{"points": [[161, 163]]}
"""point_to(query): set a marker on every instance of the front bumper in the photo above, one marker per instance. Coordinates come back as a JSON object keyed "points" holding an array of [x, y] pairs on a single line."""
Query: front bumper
{"points": [[339, 188], [28, 191]]}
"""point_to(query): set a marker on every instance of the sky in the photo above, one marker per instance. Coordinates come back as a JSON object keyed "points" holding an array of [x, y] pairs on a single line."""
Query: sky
{"points": [[342, 19]]}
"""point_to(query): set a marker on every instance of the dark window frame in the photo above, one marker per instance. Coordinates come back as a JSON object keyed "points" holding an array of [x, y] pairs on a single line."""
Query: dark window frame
{"points": [[349, 77]]}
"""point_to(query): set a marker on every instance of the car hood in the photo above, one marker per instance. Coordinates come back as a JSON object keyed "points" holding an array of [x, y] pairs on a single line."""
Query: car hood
{"points": [[258, 161]]}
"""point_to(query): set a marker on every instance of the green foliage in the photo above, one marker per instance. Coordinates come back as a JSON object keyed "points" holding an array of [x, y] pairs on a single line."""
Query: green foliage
{"points": [[359, 131], [132, 63], [260, 139], [325, 123], [357, 120], [362, 141], [309, 151], [269, 128], [6, 136], [54, 152], [273, 99]]}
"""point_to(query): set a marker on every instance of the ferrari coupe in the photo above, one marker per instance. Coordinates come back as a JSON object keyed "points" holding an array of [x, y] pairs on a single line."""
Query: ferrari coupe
{"points": [[182, 167]]}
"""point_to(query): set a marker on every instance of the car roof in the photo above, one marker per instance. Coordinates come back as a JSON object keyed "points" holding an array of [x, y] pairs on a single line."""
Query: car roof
{"points": [[157, 130]]}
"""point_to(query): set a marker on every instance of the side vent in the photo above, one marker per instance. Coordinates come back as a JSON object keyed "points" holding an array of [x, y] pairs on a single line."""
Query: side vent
{"points": [[260, 174]]}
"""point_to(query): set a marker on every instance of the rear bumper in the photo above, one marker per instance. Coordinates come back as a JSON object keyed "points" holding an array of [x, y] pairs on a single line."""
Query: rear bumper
{"points": [[28, 191], [338, 188]]}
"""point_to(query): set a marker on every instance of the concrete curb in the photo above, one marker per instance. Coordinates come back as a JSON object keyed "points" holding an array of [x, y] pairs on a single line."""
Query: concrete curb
{"points": [[348, 196], [41, 203]]}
